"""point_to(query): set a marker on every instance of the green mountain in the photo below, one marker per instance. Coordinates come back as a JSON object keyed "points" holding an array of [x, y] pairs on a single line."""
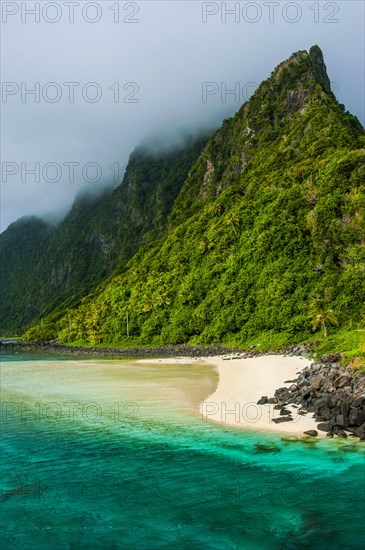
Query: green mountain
{"points": [[46, 267], [265, 242]]}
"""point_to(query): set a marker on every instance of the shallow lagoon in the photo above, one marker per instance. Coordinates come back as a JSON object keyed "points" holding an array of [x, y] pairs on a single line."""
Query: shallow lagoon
{"points": [[114, 454]]}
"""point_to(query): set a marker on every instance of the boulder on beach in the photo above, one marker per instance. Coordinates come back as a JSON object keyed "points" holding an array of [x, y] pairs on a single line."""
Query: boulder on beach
{"points": [[262, 400], [282, 419], [324, 427]]}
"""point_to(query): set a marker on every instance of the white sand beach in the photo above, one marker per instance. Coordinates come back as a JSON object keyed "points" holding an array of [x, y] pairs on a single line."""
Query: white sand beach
{"points": [[242, 382]]}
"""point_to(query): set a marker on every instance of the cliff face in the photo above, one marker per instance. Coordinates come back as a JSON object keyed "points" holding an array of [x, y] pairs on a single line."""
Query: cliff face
{"points": [[264, 240], [23, 247], [289, 114], [45, 266]]}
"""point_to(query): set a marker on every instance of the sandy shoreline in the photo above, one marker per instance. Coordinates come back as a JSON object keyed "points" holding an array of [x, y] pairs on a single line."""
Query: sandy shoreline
{"points": [[242, 382]]}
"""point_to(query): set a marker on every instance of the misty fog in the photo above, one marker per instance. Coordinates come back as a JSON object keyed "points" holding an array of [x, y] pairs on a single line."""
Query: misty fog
{"points": [[82, 87]]}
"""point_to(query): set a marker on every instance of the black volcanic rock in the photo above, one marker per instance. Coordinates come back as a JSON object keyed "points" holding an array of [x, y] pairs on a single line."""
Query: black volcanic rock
{"points": [[338, 407], [282, 419]]}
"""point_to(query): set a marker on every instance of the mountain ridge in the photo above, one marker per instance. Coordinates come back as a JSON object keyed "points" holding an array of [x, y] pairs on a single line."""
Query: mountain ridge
{"points": [[100, 233], [265, 236], [286, 82]]}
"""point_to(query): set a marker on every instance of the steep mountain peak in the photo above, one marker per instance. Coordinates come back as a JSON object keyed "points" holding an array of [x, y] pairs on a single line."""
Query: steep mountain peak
{"points": [[319, 68], [302, 66], [291, 87], [234, 235], [287, 64], [292, 115]]}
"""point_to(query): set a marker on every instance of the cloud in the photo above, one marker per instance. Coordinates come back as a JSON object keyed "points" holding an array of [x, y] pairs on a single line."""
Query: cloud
{"points": [[138, 71]]}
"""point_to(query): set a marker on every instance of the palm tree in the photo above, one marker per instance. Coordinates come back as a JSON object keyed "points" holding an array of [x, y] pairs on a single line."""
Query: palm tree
{"points": [[163, 299], [320, 316], [205, 245], [216, 209]]}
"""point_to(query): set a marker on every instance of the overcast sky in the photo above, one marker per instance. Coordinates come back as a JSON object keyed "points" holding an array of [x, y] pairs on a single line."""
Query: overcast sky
{"points": [[137, 70]]}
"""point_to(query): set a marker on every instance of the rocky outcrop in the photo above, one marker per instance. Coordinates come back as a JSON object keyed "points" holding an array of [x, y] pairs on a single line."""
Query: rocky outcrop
{"points": [[333, 393], [180, 350]]}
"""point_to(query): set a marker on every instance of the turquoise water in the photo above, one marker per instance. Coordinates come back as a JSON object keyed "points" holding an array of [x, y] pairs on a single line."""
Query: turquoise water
{"points": [[134, 466]]}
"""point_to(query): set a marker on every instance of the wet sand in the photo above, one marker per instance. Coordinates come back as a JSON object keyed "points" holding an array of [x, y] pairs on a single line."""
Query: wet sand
{"points": [[242, 382]]}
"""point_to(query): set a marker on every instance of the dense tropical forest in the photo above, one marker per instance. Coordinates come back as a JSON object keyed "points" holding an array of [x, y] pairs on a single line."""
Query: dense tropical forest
{"points": [[254, 237], [45, 266]]}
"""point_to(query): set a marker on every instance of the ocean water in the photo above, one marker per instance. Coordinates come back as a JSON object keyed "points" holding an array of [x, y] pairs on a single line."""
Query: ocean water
{"points": [[111, 454]]}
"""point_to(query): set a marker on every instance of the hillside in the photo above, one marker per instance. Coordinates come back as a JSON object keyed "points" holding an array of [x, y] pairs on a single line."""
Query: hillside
{"points": [[265, 241], [44, 267]]}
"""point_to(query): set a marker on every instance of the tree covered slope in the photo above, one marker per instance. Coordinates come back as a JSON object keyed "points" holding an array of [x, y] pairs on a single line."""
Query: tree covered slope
{"points": [[265, 241], [44, 267]]}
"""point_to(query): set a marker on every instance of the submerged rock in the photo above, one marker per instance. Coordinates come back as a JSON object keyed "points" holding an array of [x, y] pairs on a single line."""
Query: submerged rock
{"points": [[312, 433], [266, 448]]}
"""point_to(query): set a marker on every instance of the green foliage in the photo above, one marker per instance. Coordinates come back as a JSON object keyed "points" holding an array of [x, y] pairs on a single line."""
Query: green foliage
{"points": [[45, 267], [321, 316], [271, 215], [349, 339]]}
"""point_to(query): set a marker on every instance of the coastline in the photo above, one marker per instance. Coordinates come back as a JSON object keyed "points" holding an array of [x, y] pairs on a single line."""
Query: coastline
{"points": [[273, 391], [242, 382], [168, 350]]}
